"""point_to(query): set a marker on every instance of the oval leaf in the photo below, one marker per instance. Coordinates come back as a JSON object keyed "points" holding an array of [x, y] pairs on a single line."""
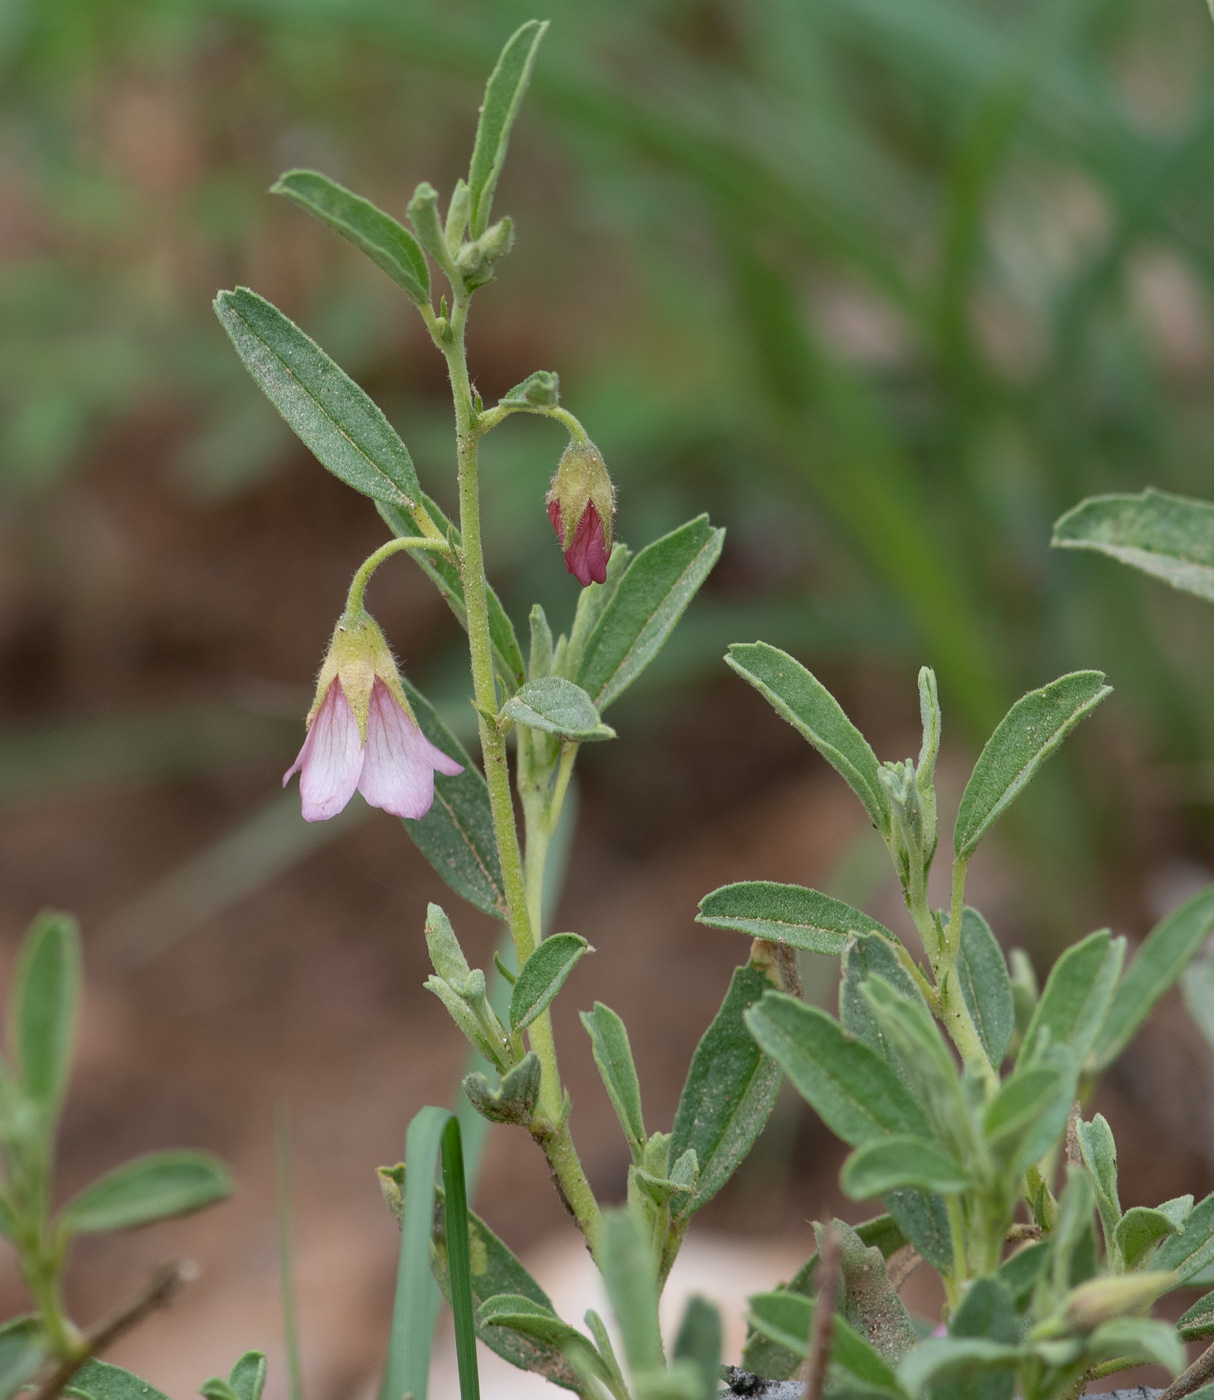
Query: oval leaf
{"points": [[1187, 1253], [650, 598], [322, 405], [98, 1380], [1171, 537], [728, 1096], [154, 1187], [1024, 738], [789, 914], [898, 1163], [786, 1317], [22, 1351], [856, 1094], [456, 834], [503, 97], [1165, 953], [45, 995], [986, 986], [557, 706], [1076, 997], [1138, 1232], [613, 1056], [802, 699], [542, 976], [1198, 1321], [388, 245]]}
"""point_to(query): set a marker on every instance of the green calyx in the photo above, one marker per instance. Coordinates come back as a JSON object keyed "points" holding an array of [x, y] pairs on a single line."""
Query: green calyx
{"points": [[358, 656], [581, 479]]}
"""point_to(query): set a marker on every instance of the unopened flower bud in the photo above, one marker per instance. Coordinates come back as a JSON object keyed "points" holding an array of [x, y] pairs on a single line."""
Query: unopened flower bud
{"points": [[362, 732], [1102, 1299], [476, 261], [581, 506]]}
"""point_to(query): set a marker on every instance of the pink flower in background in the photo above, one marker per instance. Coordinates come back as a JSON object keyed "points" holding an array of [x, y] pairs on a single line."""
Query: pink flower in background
{"points": [[362, 734], [586, 555]]}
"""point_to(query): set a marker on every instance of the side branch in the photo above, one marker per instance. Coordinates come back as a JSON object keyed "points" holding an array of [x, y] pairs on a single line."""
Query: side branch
{"points": [[158, 1293]]}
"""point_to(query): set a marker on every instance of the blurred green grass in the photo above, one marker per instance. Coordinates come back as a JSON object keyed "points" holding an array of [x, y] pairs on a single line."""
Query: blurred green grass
{"points": [[884, 286]]}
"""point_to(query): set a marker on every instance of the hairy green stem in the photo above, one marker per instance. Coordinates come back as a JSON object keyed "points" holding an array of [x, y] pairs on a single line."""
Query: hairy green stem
{"points": [[358, 584], [551, 1129]]}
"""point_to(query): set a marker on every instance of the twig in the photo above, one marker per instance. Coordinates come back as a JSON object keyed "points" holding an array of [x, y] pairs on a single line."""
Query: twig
{"points": [[158, 1293], [821, 1333], [1201, 1371], [901, 1264]]}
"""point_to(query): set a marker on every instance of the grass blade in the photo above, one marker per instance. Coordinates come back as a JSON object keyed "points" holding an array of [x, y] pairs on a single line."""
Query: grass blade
{"points": [[459, 1261], [286, 1252]]}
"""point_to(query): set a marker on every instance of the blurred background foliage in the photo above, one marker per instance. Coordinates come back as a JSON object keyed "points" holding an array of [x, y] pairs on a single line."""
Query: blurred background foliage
{"points": [[883, 286]]}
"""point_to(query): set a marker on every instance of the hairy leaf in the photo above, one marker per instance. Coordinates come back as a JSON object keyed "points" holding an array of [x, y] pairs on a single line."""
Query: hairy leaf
{"points": [[1171, 537], [1024, 738], [542, 976], [986, 986], [42, 1015], [557, 706], [333, 417], [153, 1187], [730, 1089], [897, 1163], [613, 1056], [652, 595], [1076, 997], [810, 708], [503, 97], [788, 914], [388, 244], [456, 834]]}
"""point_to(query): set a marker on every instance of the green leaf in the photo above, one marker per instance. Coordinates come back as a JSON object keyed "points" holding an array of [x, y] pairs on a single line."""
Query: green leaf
{"points": [[442, 571], [786, 1318], [154, 1187], [1027, 1115], [216, 1389], [389, 245], [1137, 1338], [503, 97], [528, 1319], [1076, 997], [652, 595], [541, 389], [788, 914], [1198, 1321], [247, 1377], [699, 1341], [1024, 738], [939, 1358], [1020, 1272], [923, 1219], [542, 976], [495, 1272], [98, 1380], [1138, 1232], [456, 834], [730, 1089], [22, 1351], [613, 1056], [42, 1016], [856, 1094], [1171, 537], [869, 1302], [631, 1282], [986, 986], [1165, 953], [810, 708], [1099, 1152], [899, 1162], [322, 405], [514, 1100], [871, 955], [557, 706], [986, 1311], [1192, 1249]]}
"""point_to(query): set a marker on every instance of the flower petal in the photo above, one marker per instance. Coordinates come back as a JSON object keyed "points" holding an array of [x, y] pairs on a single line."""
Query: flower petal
{"points": [[586, 557], [398, 772], [331, 760]]}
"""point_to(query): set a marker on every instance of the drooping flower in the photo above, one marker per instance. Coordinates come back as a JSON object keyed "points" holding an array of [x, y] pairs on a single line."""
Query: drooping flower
{"points": [[362, 733], [581, 507]]}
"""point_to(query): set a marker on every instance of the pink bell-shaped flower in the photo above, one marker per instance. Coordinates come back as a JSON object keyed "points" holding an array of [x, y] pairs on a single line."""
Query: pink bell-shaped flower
{"points": [[581, 507], [362, 733]]}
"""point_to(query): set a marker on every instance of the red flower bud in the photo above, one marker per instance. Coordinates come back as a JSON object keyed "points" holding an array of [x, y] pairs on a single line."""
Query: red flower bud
{"points": [[581, 504]]}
